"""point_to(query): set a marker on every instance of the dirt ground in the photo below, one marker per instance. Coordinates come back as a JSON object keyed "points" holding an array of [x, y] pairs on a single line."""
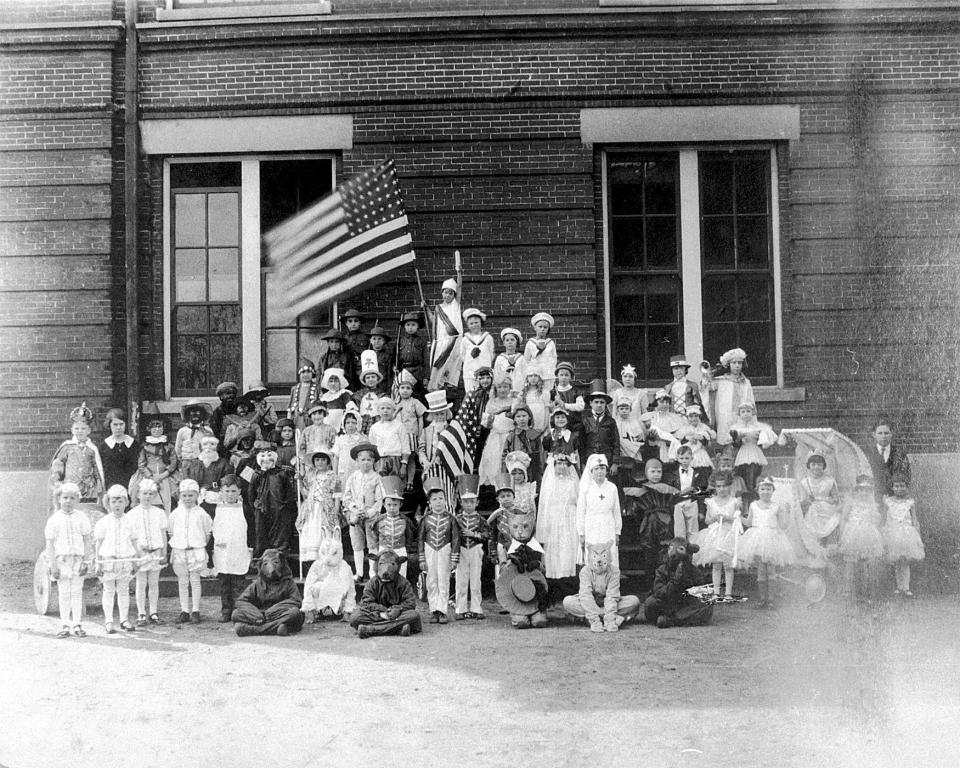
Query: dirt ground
{"points": [[800, 686]]}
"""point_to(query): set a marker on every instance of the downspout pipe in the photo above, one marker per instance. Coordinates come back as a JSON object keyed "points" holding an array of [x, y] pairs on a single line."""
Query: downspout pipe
{"points": [[131, 150]]}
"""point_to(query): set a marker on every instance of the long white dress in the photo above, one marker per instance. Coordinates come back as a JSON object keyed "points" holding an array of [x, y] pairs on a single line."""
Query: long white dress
{"points": [[491, 460], [447, 371], [557, 522]]}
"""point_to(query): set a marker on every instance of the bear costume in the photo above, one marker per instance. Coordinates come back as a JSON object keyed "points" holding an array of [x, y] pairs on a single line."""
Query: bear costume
{"points": [[270, 605], [388, 605], [671, 605]]}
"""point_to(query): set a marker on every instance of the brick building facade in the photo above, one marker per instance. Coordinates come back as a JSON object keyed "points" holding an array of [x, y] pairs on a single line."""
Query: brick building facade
{"points": [[663, 179]]}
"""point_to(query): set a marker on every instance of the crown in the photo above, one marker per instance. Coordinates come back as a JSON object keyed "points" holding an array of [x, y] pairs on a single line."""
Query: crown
{"points": [[81, 414]]}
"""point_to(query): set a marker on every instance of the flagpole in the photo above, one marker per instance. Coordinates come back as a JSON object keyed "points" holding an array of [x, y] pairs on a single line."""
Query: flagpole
{"points": [[423, 303]]}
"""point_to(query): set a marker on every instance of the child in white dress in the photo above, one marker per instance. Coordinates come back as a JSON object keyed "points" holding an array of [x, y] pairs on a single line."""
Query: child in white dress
{"points": [[766, 543], [901, 540], [720, 541], [753, 436], [115, 545], [319, 516], [861, 544], [149, 524], [557, 518]]}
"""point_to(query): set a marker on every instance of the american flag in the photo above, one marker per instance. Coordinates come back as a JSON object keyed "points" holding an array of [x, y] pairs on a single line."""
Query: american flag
{"points": [[349, 238], [459, 444]]}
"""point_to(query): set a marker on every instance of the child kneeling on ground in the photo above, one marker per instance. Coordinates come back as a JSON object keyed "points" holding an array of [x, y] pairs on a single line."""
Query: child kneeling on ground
{"points": [[389, 604]]}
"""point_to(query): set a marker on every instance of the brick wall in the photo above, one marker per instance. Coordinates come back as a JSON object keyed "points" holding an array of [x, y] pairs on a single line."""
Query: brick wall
{"points": [[482, 118], [57, 193]]}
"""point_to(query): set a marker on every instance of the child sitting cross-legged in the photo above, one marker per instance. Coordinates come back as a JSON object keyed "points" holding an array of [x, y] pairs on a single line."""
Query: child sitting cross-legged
{"points": [[599, 600], [389, 604], [329, 590]]}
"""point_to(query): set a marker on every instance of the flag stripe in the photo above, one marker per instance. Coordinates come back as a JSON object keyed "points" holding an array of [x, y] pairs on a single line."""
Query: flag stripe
{"points": [[347, 251], [334, 230], [301, 226], [331, 292], [345, 270]]}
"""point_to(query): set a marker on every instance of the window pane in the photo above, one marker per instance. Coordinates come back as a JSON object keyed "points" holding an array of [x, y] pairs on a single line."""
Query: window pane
{"points": [[190, 319], [752, 176], [204, 175], [662, 242], [224, 218], [225, 355], [225, 318], [224, 274], [661, 187], [190, 220], [717, 242], [628, 308], [718, 338], [752, 241], [281, 358], [190, 273], [663, 301], [627, 198], [310, 345], [627, 243], [755, 300], [628, 344], [191, 363], [719, 300], [756, 339], [716, 187], [289, 186], [663, 342]]}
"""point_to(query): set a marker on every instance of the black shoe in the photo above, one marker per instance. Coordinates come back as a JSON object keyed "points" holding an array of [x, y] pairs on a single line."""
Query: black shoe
{"points": [[283, 630], [224, 617], [435, 617], [442, 617], [195, 617], [184, 618], [663, 622], [155, 619], [244, 630], [405, 630]]}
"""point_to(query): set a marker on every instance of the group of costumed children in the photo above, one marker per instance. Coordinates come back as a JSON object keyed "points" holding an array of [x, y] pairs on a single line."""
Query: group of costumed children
{"points": [[360, 449]]}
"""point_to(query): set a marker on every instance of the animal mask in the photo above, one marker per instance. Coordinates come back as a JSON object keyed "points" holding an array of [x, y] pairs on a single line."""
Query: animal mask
{"points": [[331, 553], [598, 557], [679, 549], [388, 566], [521, 528], [273, 566]]}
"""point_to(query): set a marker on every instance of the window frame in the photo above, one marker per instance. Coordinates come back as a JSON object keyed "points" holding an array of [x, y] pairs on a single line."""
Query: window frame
{"points": [[252, 320], [690, 255]]}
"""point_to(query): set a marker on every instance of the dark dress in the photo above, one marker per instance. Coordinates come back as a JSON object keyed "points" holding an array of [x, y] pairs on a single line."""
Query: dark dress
{"points": [[119, 462]]}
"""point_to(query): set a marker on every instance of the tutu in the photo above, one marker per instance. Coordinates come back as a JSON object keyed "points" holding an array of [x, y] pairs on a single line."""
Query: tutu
{"points": [[901, 540], [766, 541], [717, 543], [720, 542], [861, 541]]}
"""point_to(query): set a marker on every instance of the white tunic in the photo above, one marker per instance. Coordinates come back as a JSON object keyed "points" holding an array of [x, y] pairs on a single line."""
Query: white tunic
{"points": [[598, 513], [149, 525], [115, 535], [189, 528], [230, 552], [67, 532]]}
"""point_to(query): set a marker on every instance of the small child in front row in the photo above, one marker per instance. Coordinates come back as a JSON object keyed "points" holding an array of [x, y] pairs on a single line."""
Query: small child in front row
{"points": [[231, 556], [68, 536], [766, 543], [362, 500], [860, 541], [190, 528], [720, 541], [115, 544], [901, 540], [467, 576], [149, 524], [439, 548]]}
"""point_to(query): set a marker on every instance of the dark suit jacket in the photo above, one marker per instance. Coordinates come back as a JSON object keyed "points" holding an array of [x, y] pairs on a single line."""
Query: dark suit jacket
{"points": [[600, 437], [897, 463]]}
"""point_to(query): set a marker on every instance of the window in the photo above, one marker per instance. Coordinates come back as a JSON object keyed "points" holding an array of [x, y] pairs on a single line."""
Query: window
{"points": [[691, 255], [205, 276], [219, 285]]}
